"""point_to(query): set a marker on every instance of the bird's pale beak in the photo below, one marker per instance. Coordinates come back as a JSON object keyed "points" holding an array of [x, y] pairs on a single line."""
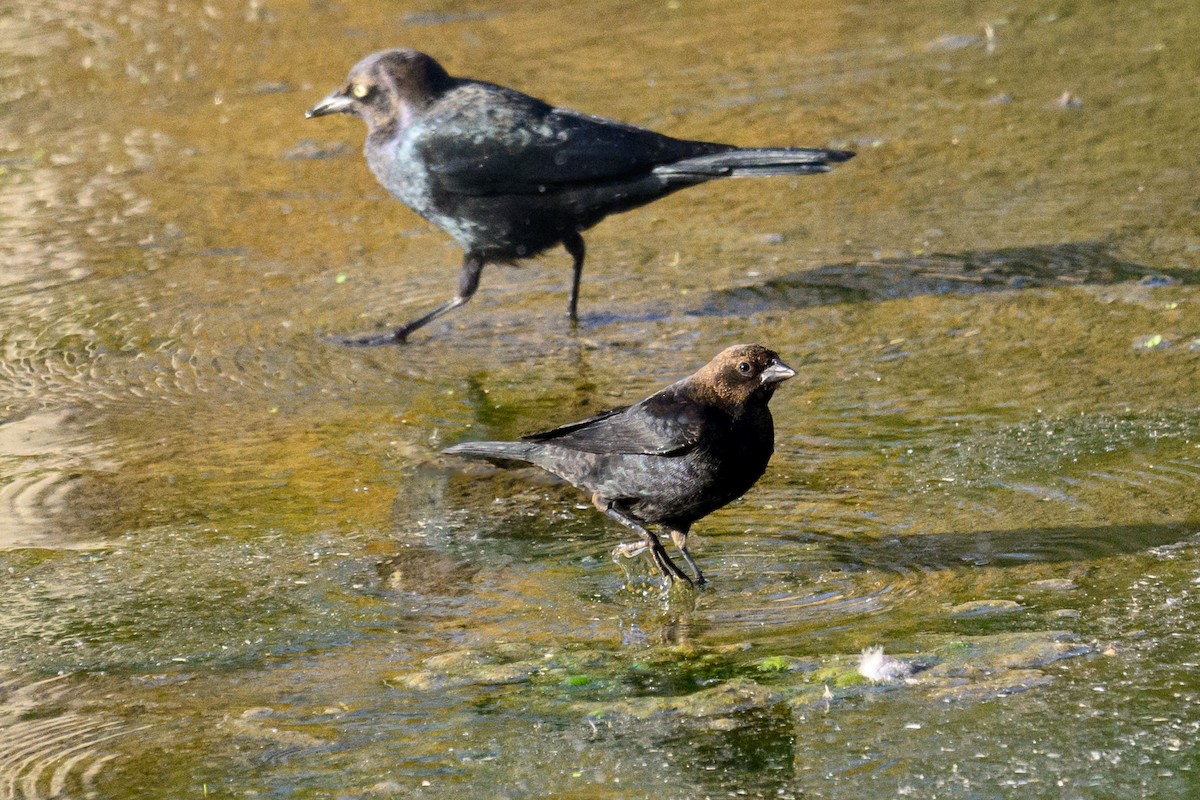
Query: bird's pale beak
{"points": [[335, 103], [777, 372]]}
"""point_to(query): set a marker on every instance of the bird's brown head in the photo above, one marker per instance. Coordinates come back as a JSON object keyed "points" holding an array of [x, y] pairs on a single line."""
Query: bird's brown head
{"points": [[739, 376], [386, 89]]}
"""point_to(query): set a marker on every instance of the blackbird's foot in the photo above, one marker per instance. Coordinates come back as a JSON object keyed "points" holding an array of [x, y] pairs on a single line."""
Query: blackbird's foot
{"points": [[628, 550], [371, 340], [661, 560], [667, 567]]}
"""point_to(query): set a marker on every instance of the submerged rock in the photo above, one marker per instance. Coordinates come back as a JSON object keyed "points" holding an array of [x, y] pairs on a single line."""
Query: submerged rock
{"points": [[258, 723], [1000, 685], [985, 608], [1055, 585], [485, 675], [973, 655], [718, 701], [470, 668], [786, 664], [959, 669]]}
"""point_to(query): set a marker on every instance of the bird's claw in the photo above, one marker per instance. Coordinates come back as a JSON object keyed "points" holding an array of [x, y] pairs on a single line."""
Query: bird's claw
{"points": [[669, 570], [665, 565], [628, 550], [370, 340]]}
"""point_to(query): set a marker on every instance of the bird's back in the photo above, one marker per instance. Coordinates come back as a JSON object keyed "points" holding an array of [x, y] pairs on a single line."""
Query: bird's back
{"points": [[674, 488], [677, 455], [507, 175]]}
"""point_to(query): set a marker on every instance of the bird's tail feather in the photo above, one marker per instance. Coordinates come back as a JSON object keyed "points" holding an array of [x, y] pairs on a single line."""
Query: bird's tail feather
{"points": [[755, 162], [496, 452]]}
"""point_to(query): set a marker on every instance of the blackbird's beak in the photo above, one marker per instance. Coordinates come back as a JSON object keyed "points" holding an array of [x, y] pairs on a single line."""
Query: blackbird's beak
{"points": [[335, 103], [777, 372]]}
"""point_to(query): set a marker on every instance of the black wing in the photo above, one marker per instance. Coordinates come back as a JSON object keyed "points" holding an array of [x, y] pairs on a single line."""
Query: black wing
{"points": [[663, 424], [493, 140]]}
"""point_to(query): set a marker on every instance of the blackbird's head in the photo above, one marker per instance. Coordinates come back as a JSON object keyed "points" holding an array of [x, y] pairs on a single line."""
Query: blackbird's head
{"points": [[741, 375], [386, 88]]}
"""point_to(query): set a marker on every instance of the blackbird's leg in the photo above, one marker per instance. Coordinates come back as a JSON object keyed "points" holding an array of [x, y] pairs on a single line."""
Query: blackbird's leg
{"points": [[468, 282], [574, 244], [665, 565], [679, 537]]}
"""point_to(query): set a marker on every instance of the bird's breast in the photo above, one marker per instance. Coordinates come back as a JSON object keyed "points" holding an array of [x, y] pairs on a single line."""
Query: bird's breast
{"points": [[398, 167], [393, 163]]}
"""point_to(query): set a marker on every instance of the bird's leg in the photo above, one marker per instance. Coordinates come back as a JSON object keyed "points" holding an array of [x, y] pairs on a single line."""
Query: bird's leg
{"points": [[468, 282], [574, 244], [679, 537], [665, 565]]}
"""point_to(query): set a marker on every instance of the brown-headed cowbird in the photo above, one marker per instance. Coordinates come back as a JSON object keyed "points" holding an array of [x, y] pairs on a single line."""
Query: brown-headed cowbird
{"points": [[671, 459], [508, 176]]}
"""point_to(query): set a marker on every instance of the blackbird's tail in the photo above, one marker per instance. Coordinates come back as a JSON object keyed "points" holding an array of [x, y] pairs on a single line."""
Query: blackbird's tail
{"points": [[501, 453], [754, 163]]}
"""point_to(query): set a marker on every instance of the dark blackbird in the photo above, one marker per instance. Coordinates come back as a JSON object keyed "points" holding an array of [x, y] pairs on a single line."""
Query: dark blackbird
{"points": [[508, 176], [671, 459]]}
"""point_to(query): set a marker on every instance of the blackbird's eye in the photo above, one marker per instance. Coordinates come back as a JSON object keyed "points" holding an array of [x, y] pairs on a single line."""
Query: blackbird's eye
{"points": [[744, 367], [361, 90]]}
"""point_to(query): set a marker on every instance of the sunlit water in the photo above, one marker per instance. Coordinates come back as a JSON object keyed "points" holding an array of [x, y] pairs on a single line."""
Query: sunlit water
{"points": [[233, 563]]}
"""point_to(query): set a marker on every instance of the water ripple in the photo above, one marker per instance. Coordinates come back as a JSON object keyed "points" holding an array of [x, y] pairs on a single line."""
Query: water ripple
{"points": [[48, 752]]}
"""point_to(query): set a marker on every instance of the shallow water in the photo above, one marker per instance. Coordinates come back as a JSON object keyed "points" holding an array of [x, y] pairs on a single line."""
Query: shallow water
{"points": [[233, 563]]}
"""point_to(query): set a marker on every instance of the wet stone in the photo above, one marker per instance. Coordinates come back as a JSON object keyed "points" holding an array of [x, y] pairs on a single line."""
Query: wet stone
{"points": [[472, 668], [258, 712], [717, 701], [839, 677], [991, 688], [1055, 585], [723, 724], [252, 727], [786, 664], [1018, 650], [458, 660], [985, 608], [484, 675]]}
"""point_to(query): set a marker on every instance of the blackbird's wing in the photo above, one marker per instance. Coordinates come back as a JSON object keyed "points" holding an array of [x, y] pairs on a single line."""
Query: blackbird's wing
{"points": [[489, 140], [662, 425]]}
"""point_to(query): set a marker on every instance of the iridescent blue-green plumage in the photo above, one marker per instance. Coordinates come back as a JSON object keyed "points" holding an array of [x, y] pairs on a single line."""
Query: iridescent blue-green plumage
{"points": [[508, 176]]}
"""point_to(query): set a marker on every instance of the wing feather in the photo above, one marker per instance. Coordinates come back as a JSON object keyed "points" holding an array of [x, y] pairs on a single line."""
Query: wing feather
{"points": [[664, 424], [516, 144]]}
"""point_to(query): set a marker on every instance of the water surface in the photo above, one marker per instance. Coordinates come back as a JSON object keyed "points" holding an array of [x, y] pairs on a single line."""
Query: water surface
{"points": [[233, 563]]}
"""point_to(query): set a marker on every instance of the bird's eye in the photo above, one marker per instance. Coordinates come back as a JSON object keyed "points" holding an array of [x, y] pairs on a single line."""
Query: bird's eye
{"points": [[360, 90], [744, 367]]}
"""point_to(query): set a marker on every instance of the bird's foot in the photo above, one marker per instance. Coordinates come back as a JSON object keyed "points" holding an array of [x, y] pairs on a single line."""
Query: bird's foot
{"points": [[666, 567], [369, 340], [628, 550]]}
